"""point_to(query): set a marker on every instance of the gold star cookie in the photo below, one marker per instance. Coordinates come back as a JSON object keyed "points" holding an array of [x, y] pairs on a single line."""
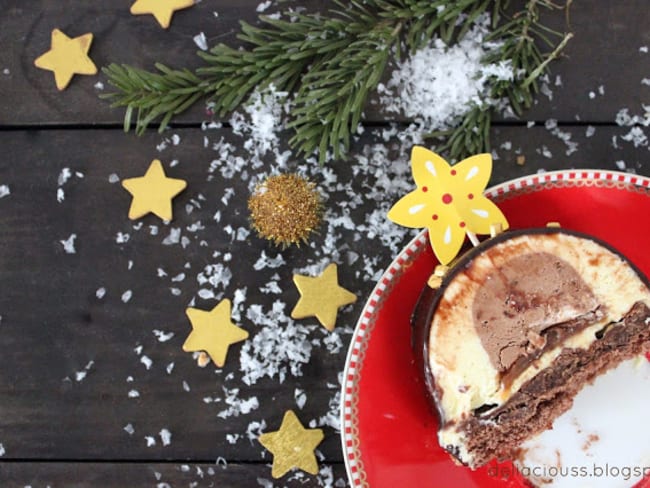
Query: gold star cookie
{"points": [[162, 10], [321, 297], [292, 446], [153, 192], [213, 332], [67, 57]]}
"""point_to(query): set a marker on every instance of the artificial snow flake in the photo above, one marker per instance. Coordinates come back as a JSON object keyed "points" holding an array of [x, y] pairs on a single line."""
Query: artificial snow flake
{"points": [[163, 336], [165, 437], [268, 262], [201, 41], [146, 361], [236, 405], [68, 244], [439, 84]]}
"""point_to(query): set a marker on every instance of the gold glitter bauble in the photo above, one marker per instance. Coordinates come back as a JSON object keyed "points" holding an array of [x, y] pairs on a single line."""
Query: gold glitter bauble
{"points": [[285, 209]]}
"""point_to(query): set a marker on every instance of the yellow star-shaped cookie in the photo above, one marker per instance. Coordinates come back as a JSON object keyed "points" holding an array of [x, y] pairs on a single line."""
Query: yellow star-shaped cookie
{"points": [[213, 332], [67, 57], [321, 297], [162, 10], [292, 446], [153, 192]]}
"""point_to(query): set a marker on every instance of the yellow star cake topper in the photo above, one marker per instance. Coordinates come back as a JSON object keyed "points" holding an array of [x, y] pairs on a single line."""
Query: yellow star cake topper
{"points": [[321, 297], [448, 201], [67, 57], [153, 192], [292, 446], [162, 10], [213, 332]]}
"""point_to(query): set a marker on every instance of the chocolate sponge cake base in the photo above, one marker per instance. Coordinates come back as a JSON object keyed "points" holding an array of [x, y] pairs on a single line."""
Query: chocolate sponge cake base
{"points": [[497, 433]]}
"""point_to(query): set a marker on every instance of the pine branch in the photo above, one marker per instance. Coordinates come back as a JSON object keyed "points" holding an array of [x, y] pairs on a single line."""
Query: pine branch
{"points": [[328, 104], [521, 37], [331, 62], [152, 95]]}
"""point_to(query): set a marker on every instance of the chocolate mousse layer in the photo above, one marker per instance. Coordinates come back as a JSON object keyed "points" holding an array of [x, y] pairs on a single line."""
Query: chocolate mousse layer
{"points": [[522, 299]]}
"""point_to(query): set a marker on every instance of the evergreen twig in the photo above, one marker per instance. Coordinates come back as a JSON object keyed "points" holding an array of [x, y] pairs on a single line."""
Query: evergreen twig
{"points": [[332, 62]]}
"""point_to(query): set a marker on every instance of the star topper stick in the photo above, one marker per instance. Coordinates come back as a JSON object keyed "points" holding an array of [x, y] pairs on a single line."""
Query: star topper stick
{"points": [[449, 202]]}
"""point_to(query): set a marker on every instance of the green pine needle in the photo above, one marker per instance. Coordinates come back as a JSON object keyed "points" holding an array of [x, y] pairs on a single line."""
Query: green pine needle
{"points": [[331, 62]]}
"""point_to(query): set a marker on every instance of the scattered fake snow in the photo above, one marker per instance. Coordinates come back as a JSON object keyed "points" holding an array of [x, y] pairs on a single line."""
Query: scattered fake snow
{"points": [[163, 336], [300, 397], [439, 84], [636, 136], [68, 244], [165, 437], [63, 178], [278, 348], [377, 173], [237, 406], [81, 375], [255, 429], [268, 262], [146, 361], [4, 191], [263, 6], [201, 41], [264, 111]]}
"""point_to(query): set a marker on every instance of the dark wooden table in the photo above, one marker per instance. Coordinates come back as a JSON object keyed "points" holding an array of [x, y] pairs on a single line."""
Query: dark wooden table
{"points": [[70, 360]]}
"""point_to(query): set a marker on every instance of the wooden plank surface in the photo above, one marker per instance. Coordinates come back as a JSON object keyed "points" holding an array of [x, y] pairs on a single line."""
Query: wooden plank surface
{"points": [[120, 475], [71, 359], [604, 53], [54, 325]]}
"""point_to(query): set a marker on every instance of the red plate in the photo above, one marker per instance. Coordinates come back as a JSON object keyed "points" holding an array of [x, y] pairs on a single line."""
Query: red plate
{"points": [[388, 430]]}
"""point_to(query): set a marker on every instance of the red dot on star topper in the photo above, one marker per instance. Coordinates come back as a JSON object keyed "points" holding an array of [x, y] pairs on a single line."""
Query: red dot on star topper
{"points": [[447, 198], [425, 189], [462, 224], [453, 172], [434, 216], [470, 196]]}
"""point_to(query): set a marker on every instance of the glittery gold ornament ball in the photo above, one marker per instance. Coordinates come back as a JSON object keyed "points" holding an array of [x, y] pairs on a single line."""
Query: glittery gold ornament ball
{"points": [[285, 209]]}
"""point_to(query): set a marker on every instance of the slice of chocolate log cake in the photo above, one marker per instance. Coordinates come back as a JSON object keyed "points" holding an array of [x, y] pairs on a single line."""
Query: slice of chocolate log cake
{"points": [[518, 326]]}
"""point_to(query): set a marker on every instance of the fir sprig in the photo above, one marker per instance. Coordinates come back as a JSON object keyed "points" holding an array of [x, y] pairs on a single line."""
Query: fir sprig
{"points": [[330, 64]]}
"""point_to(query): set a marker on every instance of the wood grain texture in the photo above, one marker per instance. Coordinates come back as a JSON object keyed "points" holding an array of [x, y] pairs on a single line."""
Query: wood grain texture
{"points": [[604, 52], [53, 324], [120, 475], [70, 358]]}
